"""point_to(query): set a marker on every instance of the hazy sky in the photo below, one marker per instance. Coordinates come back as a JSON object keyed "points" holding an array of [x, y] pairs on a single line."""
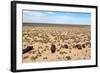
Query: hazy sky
{"points": [[56, 17]]}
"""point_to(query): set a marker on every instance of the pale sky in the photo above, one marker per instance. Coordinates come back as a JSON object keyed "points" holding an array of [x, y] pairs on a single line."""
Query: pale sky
{"points": [[56, 17]]}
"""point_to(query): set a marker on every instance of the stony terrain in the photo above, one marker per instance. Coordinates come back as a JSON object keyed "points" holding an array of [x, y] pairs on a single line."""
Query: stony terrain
{"points": [[56, 43]]}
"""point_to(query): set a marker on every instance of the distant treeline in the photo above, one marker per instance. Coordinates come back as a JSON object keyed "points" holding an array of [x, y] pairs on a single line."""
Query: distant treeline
{"points": [[49, 24]]}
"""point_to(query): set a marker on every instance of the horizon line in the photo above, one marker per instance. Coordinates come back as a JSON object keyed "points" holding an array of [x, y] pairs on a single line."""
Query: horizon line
{"points": [[53, 23]]}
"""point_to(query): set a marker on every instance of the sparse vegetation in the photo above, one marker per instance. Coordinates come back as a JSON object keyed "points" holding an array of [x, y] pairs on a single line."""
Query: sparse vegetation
{"points": [[53, 48], [55, 43], [68, 57], [66, 46], [26, 57], [44, 57], [78, 46]]}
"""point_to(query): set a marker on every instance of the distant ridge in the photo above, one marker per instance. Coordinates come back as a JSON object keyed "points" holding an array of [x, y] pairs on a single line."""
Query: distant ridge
{"points": [[50, 24]]}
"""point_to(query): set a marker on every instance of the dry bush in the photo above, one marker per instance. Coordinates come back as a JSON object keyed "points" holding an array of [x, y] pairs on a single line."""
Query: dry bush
{"points": [[78, 46], [25, 57], [45, 58], [66, 46], [68, 57], [34, 57], [83, 45], [53, 48]]}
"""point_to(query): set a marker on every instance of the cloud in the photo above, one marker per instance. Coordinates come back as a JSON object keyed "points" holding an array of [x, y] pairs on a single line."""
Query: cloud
{"points": [[33, 16]]}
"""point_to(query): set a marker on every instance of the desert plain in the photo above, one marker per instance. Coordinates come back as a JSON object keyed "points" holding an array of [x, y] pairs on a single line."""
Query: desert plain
{"points": [[54, 42]]}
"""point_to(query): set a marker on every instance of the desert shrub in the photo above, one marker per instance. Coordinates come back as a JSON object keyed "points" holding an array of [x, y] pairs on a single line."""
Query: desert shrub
{"points": [[33, 52], [53, 48], [76, 41], [74, 46], [83, 45], [66, 46], [74, 54], [70, 51], [88, 44], [63, 52], [68, 57], [46, 46], [58, 50], [34, 57], [44, 57], [61, 46], [25, 33], [25, 57], [78, 46]]}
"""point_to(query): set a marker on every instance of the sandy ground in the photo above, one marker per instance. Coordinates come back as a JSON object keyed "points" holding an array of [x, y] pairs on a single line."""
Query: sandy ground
{"points": [[67, 43]]}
